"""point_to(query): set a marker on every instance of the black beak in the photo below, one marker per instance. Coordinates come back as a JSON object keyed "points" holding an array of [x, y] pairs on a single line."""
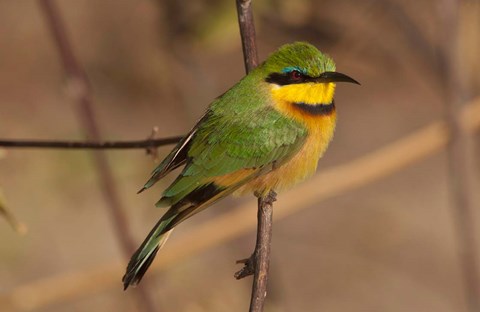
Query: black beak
{"points": [[335, 77]]}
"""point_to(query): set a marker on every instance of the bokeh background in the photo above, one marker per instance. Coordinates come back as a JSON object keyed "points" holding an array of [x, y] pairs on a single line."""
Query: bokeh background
{"points": [[387, 245]]}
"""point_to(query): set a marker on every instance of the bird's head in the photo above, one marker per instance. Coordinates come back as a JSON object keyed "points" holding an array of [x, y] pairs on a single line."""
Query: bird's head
{"points": [[299, 73]]}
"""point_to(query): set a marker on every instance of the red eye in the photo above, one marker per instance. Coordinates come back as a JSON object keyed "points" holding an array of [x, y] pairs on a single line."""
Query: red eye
{"points": [[295, 75]]}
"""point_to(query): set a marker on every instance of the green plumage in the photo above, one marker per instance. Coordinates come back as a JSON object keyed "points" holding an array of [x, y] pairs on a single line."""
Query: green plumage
{"points": [[240, 130]]}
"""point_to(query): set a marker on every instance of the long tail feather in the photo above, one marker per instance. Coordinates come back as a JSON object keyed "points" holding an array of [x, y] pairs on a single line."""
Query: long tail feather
{"points": [[191, 204], [157, 237], [143, 257]]}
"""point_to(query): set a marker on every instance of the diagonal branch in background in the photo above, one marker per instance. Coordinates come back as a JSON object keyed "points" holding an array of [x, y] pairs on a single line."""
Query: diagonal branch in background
{"points": [[80, 90], [259, 262], [372, 167]]}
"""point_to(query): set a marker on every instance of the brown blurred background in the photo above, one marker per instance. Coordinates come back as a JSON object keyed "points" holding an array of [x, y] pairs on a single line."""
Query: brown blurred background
{"points": [[390, 245]]}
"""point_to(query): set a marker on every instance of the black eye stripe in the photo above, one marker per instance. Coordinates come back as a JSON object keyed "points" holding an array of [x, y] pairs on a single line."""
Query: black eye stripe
{"points": [[286, 79], [279, 79]]}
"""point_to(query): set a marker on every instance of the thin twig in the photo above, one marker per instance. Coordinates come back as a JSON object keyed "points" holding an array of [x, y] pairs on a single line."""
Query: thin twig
{"points": [[81, 92], [250, 263], [145, 144], [259, 262], [459, 171], [261, 255]]}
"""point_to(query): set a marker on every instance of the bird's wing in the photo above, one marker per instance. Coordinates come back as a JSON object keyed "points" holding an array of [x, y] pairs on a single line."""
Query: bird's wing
{"points": [[176, 158], [227, 151], [222, 154]]}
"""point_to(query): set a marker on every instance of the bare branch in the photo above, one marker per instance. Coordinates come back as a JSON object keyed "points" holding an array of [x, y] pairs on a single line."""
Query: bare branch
{"points": [[262, 251], [145, 144], [81, 93], [259, 262], [263, 233]]}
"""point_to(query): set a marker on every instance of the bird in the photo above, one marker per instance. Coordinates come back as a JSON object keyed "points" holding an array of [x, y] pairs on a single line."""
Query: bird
{"points": [[264, 134]]}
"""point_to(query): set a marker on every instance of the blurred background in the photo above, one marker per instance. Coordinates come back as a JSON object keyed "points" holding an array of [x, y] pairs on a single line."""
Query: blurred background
{"points": [[390, 244]]}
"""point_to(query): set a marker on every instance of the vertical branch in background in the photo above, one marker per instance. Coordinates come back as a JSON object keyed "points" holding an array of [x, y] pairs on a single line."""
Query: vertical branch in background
{"points": [[259, 262], [79, 87], [454, 95]]}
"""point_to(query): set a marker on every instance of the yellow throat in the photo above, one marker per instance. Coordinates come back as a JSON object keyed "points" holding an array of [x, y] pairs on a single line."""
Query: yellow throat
{"points": [[308, 103], [317, 114]]}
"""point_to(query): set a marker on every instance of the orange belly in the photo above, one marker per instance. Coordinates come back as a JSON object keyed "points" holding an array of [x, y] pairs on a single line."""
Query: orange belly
{"points": [[300, 166]]}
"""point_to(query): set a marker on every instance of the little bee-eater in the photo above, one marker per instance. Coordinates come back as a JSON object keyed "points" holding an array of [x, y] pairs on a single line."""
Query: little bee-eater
{"points": [[265, 134]]}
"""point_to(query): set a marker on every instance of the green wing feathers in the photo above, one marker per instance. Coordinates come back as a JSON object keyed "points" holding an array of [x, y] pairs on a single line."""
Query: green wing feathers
{"points": [[176, 158], [194, 202], [240, 147], [224, 146]]}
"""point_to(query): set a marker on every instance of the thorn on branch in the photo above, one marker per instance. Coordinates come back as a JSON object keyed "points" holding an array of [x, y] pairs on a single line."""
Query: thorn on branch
{"points": [[248, 268], [152, 150], [259, 261], [249, 263]]}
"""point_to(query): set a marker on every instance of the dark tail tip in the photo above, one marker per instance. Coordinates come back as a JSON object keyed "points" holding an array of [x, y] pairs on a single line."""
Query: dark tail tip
{"points": [[137, 268], [141, 190], [127, 280]]}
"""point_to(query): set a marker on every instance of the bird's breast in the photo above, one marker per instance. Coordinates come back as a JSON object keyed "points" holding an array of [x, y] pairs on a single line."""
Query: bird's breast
{"points": [[302, 165], [313, 107]]}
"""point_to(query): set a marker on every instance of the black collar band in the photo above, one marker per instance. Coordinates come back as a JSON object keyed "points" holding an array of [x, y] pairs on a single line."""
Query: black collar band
{"points": [[316, 109]]}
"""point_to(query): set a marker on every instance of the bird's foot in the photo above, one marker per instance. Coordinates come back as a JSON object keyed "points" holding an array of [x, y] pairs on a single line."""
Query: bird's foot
{"points": [[270, 198]]}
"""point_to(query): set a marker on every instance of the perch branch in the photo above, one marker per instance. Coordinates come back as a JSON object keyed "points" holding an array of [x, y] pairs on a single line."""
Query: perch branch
{"points": [[259, 261]]}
